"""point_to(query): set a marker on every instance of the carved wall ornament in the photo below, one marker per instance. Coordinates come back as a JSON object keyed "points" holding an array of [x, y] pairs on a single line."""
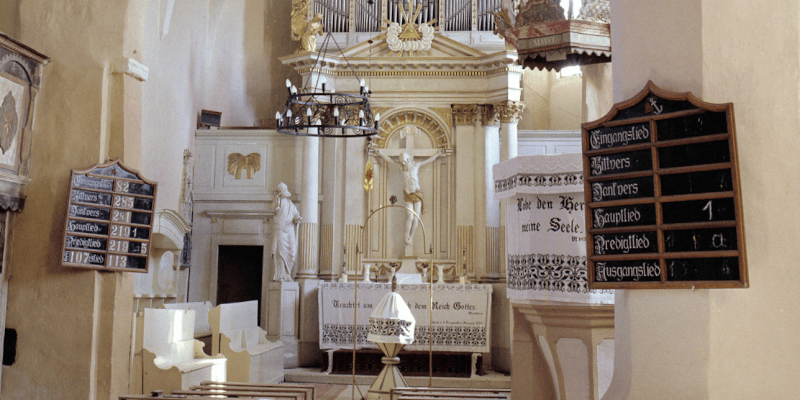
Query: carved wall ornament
{"points": [[510, 111], [369, 173], [541, 11], [187, 199], [238, 162], [464, 114], [9, 120], [595, 10]]}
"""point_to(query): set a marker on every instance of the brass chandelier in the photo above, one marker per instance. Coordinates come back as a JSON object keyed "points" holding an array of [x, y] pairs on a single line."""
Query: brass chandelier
{"points": [[310, 111]]}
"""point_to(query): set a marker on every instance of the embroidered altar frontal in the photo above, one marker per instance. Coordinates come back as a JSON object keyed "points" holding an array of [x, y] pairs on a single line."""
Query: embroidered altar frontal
{"points": [[461, 315], [546, 229]]}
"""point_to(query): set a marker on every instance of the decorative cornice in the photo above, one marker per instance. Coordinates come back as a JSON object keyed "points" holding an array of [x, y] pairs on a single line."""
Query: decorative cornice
{"points": [[489, 115], [16, 46], [428, 70], [510, 111], [464, 114], [236, 214]]}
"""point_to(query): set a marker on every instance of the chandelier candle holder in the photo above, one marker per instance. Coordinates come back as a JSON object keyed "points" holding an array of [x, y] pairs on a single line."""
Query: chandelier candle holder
{"points": [[316, 111]]}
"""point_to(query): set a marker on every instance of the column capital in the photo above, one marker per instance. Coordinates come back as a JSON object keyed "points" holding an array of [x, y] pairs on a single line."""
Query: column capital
{"points": [[464, 114], [510, 111], [489, 115]]}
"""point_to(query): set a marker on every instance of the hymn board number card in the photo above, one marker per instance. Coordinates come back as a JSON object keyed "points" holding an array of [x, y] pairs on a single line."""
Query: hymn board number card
{"points": [[109, 219], [663, 196]]}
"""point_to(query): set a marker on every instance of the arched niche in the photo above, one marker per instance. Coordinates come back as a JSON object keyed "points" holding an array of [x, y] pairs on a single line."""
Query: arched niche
{"points": [[431, 133]]}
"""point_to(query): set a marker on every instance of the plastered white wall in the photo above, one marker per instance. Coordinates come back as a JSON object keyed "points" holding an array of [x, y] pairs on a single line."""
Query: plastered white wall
{"points": [[751, 58], [720, 343], [215, 55], [551, 102]]}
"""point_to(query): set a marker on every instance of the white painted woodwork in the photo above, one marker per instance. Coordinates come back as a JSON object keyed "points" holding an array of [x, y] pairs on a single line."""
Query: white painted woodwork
{"points": [[236, 335]]}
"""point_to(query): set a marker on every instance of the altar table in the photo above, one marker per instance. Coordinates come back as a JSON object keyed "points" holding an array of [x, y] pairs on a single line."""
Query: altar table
{"points": [[461, 315]]}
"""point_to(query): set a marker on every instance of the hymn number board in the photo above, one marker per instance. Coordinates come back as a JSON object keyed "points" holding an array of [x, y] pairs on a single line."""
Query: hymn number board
{"points": [[663, 196], [109, 219]]}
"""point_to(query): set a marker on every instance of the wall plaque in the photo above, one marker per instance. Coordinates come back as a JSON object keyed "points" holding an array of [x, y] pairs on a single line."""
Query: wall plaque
{"points": [[109, 219], [663, 199]]}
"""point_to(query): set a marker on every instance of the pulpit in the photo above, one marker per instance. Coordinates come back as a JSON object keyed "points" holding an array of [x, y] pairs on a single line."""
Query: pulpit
{"points": [[553, 309]]}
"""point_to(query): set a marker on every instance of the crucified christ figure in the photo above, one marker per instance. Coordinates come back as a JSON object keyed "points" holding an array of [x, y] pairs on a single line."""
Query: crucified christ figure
{"points": [[412, 193]]}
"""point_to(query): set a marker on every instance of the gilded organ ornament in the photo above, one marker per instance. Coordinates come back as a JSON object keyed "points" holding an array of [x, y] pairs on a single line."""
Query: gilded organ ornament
{"points": [[238, 162], [409, 37], [302, 29]]}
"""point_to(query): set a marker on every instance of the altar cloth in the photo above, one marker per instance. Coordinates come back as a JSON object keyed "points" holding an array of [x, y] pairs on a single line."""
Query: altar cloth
{"points": [[461, 315]]}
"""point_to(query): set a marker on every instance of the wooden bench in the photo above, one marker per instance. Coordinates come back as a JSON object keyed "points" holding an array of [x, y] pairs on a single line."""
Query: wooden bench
{"points": [[235, 334], [427, 393], [185, 397], [231, 389], [201, 309], [202, 330], [171, 358], [309, 390]]}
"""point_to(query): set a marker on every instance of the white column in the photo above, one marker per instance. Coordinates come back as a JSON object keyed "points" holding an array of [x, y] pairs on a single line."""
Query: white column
{"points": [[489, 228], [465, 118], [332, 215], [308, 245], [510, 114]]}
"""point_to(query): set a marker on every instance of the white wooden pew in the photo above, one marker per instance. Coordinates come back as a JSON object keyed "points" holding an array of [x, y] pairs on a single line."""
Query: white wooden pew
{"points": [[235, 334], [171, 358], [201, 309], [238, 389], [428, 393]]}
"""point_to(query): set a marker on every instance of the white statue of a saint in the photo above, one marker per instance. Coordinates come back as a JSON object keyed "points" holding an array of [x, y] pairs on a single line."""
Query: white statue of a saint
{"points": [[284, 241], [412, 193]]}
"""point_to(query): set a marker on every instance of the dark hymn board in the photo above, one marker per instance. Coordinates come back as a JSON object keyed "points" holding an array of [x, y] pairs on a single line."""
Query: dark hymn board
{"points": [[663, 196], [109, 219]]}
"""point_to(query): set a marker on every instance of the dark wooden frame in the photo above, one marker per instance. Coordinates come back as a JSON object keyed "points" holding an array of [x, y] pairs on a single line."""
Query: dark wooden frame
{"points": [[111, 208], [658, 200]]}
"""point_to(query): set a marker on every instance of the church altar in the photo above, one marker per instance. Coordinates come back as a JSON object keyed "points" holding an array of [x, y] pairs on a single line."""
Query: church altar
{"points": [[461, 315]]}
